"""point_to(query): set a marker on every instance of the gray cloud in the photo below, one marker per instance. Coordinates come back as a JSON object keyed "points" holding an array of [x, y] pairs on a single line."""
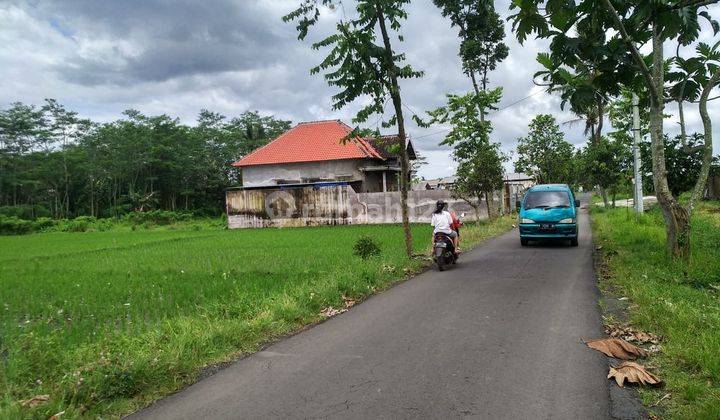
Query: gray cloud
{"points": [[178, 57]]}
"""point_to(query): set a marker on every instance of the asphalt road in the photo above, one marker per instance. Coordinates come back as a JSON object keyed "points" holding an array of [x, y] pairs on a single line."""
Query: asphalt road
{"points": [[497, 336]]}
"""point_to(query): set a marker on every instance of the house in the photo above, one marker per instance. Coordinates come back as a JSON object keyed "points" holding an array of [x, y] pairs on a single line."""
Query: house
{"points": [[446, 183], [319, 152], [515, 185]]}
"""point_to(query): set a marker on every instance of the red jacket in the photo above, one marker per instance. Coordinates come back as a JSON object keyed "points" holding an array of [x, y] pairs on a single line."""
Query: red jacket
{"points": [[456, 223]]}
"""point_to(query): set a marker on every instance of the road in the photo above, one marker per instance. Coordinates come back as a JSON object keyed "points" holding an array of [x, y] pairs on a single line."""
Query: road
{"points": [[497, 336]]}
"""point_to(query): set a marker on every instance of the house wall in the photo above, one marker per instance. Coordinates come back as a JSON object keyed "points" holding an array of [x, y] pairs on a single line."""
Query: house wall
{"points": [[288, 207], [267, 175], [379, 207], [337, 205]]}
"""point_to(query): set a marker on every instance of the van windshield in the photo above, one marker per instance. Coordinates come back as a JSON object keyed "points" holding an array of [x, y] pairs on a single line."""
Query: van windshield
{"points": [[547, 199]]}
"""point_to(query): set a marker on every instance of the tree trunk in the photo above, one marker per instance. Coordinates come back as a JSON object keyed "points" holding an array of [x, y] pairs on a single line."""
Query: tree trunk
{"points": [[681, 112], [404, 159], [707, 137], [477, 92], [603, 194], [677, 222], [600, 118]]}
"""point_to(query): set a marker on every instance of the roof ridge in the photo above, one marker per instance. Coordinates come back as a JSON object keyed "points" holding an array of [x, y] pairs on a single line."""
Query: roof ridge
{"points": [[319, 122]]}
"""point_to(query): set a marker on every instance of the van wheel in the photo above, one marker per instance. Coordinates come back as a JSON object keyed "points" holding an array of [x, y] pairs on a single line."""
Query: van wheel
{"points": [[574, 242], [524, 241]]}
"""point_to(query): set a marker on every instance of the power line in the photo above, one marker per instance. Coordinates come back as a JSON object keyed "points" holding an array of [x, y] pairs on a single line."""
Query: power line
{"points": [[498, 110], [520, 100]]}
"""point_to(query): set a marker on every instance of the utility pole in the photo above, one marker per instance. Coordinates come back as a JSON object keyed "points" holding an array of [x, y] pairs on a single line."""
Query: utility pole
{"points": [[636, 155]]}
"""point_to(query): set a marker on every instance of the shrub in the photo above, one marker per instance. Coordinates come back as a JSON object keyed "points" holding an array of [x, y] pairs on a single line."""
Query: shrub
{"points": [[25, 211], [366, 247], [44, 224], [14, 226], [158, 217]]}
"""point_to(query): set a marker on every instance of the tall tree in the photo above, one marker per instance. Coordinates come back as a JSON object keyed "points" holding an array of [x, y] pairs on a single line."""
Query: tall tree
{"points": [[627, 26], [480, 162], [544, 153], [482, 33], [601, 165], [53, 163], [363, 63]]}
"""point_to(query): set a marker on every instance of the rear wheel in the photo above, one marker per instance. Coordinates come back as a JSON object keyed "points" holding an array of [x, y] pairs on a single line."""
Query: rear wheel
{"points": [[574, 241], [440, 261], [524, 241]]}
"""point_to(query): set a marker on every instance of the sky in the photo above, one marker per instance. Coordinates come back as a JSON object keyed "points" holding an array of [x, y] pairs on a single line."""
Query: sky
{"points": [[177, 57]]}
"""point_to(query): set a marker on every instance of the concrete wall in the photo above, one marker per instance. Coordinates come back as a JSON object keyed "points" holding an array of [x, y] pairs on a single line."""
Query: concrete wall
{"points": [[267, 175], [385, 207], [288, 208], [337, 205]]}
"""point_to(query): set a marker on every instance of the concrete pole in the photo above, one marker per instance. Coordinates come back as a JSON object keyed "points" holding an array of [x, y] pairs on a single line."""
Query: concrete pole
{"points": [[636, 155]]}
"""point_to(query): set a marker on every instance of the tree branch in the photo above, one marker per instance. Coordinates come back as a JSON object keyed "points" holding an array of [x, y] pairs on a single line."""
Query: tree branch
{"points": [[635, 53], [707, 126], [695, 3]]}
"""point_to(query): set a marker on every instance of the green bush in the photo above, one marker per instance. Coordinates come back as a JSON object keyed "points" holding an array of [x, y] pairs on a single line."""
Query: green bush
{"points": [[158, 217], [366, 247], [12, 225], [25, 211]]}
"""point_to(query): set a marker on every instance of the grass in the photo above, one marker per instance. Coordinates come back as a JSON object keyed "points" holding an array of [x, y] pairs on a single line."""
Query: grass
{"points": [[105, 322], [597, 199], [677, 301]]}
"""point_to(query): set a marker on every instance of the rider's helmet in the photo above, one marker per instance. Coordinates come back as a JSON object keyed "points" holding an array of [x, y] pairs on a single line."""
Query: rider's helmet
{"points": [[439, 205]]}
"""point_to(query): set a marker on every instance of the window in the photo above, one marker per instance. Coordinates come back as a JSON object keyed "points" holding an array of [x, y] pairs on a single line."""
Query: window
{"points": [[544, 199]]}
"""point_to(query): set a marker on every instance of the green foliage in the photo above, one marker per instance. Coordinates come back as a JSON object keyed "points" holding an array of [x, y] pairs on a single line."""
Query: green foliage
{"points": [[682, 163], [545, 154], [366, 247], [25, 211], [601, 163], [362, 63], [109, 321], [358, 64], [146, 220], [11, 225], [676, 301], [480, 162], [52, 163], [481, 33]]}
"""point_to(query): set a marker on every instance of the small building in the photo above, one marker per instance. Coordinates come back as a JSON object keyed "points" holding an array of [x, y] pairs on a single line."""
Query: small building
{"points": [[515, 185], [320, 152], [446, 183]]}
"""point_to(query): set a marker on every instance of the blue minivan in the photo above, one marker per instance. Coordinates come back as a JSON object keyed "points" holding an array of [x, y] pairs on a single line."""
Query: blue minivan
{"points": [[548, 212]]}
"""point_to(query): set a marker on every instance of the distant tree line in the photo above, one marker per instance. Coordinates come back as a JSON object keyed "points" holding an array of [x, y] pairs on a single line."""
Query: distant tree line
{"points": [[53, 163]]}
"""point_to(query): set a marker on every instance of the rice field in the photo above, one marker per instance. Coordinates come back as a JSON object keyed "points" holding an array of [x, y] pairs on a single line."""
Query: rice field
{"points": [[104, 322]]}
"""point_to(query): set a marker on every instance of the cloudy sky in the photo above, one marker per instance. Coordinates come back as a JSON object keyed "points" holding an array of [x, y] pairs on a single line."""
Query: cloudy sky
{"points": [[100, 57]]}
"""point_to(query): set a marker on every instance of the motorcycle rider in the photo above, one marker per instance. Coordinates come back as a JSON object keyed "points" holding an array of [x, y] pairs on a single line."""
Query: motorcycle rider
{"points": [[456, 225], [442, 221]]}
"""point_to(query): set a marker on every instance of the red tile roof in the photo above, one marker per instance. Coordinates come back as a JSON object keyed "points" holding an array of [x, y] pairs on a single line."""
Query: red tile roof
{"points": [[311, 142]]}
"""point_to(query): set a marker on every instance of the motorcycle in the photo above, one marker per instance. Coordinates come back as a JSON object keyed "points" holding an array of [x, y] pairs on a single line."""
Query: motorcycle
{"points": [[443, 251]]}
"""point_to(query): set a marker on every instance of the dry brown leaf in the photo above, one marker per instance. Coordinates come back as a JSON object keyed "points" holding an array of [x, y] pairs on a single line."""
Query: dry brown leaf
{"points": [[633, 373], [35, 401], [330, 311], [349, 302], [629, 333], [617, 348]]}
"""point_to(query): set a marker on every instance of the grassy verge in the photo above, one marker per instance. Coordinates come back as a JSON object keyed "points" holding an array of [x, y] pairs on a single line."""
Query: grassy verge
{"points": [[679, 302], [596, 199], [104, 322]]}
